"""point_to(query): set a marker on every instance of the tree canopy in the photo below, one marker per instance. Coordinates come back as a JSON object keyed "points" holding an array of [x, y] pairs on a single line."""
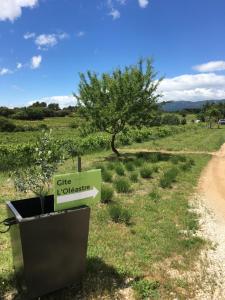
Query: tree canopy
{"points": [[111, 101]]}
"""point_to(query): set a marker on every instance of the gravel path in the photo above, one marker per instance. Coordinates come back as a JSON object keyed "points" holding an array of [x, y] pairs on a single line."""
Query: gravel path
{"points": [[210, 204]]}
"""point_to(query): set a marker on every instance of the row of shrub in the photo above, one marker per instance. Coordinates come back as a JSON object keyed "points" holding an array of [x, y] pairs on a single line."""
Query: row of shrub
{"points": [[14, 156], [7, 125]]}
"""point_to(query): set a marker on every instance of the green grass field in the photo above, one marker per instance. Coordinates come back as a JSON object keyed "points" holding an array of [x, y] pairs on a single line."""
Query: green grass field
{"points": [[199, 139], [137, 253]]}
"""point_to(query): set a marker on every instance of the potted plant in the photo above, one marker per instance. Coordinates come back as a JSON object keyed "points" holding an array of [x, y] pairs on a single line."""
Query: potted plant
{"points": [[49, 248]]}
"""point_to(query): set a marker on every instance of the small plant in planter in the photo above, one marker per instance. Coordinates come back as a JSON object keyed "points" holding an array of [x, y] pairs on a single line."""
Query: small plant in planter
{"points": [[46, 158]]}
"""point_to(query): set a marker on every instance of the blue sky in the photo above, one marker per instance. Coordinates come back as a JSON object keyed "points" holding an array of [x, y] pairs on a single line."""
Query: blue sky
{"points": [[45, 43]]}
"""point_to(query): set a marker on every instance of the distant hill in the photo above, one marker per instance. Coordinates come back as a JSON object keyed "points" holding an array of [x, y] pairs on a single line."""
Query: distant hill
{"points": [[171, 106]]}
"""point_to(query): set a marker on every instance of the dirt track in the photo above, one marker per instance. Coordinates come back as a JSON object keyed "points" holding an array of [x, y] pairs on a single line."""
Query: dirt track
{"points": [[212, 184], [211, 206]]}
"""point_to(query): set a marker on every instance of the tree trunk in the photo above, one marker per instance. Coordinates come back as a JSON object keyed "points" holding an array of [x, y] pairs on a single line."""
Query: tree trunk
{"points": [[113, 145]]}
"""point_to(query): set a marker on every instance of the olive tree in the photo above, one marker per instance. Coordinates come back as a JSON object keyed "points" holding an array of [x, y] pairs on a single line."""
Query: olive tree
{"points": [[37, 177], [111, 101]]}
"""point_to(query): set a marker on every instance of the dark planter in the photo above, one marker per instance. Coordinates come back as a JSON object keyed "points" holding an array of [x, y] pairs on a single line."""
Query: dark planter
{"points": [[49, 251]]}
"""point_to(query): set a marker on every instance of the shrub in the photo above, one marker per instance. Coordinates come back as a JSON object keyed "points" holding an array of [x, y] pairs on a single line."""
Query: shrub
{"points": [[99, 166], [187, 166], [110, 166], [122, 185], [170, 119], [43, 126], [74, 125], [134, 177], [106, 193], [155, 169], [154, 195], [120, 169], [119, 214], [146, 289], [183, 121], [146, 171], [138, 162], [175, 159], [129, 166], [168, 178], [154, 157], [6, 125], [106, 175]]}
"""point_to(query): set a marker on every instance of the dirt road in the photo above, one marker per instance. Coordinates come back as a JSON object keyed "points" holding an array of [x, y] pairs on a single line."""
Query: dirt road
{"points": [[211, 206], [212, 184]]}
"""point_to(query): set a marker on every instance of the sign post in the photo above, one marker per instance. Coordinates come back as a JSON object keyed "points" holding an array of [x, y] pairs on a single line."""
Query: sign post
{"points": [[77, 189]]}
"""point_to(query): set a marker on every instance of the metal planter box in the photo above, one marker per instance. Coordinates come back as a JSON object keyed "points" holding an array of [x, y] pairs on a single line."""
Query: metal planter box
{"points": [[49, 251]]}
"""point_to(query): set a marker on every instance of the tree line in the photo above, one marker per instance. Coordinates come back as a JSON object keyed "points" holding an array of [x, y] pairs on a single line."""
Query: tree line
{"points": [[36, 111]]}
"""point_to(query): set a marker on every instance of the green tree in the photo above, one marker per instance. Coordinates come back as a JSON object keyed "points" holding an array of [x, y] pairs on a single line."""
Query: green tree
{"points": [[124, 97], [46, 158]]}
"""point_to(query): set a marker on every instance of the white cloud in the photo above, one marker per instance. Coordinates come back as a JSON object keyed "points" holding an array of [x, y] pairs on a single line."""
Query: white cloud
{"points": [[211, 66], [193, 87], [19, 66], [143, 3], [5, 71], [45, 41], [80, 34], [12, 9], [36, 62], [122, 2], [29, 35], [63, 101], [114, 13]]}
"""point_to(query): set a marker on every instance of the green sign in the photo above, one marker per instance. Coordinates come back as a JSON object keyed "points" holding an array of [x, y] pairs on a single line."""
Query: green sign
{"points": [[76, 189]]}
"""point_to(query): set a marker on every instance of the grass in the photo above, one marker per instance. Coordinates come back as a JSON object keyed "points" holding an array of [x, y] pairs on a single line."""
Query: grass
{"points": [[195, 139], [160, 237], [122, 185], [119, 214]]}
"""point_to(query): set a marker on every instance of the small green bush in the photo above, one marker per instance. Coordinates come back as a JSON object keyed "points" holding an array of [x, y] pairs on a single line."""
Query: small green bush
{"points": [[146, 171], [119, 214], [154, 195], [155, 168], [138, 162], [119, 169], [106, 193], [6, 125], [134, 177], [99, 166], [169, 177], [129, 166], [154, 157], [106, 175], [188, 165], [175, 159], [147, 289], [110, 166], [122, 185]]}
